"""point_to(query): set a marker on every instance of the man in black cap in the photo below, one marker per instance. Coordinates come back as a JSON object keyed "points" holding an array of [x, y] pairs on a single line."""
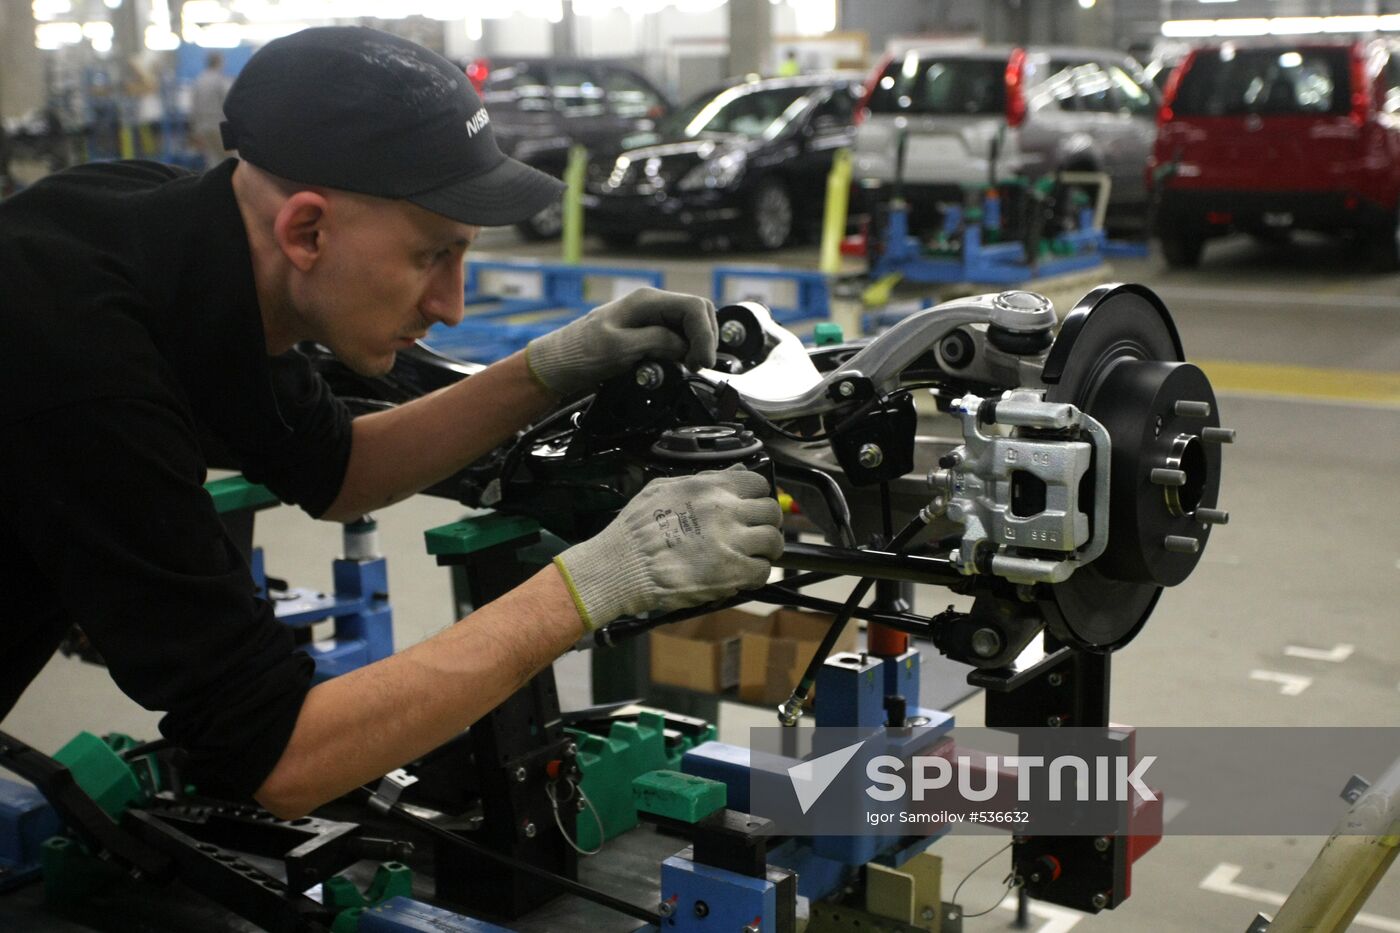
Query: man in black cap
{"points": [[147, 326]]}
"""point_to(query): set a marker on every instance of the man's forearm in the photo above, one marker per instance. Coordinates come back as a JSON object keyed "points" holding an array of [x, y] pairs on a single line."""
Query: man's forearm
{"points": [[399, 452], [363, 724]]}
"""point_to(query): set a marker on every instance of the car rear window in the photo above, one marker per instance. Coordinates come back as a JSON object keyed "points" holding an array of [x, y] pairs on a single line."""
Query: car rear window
{"points": [[1237, 82], [941, 86]]}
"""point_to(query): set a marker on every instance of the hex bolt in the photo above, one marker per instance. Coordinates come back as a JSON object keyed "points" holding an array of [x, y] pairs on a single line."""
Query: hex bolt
{"points": [[846, 389], [1054, 721], [732, 333], [986, 642], [1181, 544], [1161, 476], [650, 375], [666, 908], [1218, 435], [1100, 901], [521, 774], [1211, 516], [871, 456], [1055, 679], [1102, 844], [529, 829], [1192, 409]]}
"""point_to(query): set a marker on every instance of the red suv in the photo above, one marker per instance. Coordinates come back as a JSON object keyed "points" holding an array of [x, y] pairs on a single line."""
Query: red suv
{"points": [[1267, 138]]}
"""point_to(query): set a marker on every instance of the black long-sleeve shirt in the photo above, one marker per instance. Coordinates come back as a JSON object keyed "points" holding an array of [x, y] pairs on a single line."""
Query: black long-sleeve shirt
{"points": [[132, 356]]}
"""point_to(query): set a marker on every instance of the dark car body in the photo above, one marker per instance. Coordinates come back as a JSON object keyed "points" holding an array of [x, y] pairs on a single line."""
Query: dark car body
{"points": [[1273, 136], [540, 107], [748, 161]]}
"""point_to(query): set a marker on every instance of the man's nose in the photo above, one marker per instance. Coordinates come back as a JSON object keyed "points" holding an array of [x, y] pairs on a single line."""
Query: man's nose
{"points": [[444, 300]]}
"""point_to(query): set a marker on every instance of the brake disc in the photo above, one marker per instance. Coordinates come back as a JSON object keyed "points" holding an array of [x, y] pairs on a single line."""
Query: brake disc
{"points": [[1119, 358]]}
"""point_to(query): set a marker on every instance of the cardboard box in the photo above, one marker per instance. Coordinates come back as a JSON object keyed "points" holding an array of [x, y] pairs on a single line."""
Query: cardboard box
{"points": [[773, 658], [702, 653]]}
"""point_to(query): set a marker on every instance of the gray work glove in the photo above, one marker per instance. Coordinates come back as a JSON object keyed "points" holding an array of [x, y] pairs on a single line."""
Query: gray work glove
{"points": [[610, 339], [680, 542]]}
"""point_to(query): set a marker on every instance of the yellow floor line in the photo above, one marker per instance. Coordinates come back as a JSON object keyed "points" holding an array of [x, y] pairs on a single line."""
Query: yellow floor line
{"points": [[1307, 382]]}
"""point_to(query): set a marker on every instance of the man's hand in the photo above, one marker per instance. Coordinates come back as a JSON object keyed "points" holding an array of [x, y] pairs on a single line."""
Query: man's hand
{"points": [[647, 324], [679, 543]]}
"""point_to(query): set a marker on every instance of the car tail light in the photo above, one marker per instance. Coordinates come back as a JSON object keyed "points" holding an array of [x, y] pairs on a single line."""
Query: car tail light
{"points": [[1164, 112], [1015, 92], [477, 72], [1360, 89], [863, 110]]}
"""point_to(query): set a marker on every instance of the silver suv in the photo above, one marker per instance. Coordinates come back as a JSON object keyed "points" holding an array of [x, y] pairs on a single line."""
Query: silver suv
{"points": [[977, 116]]}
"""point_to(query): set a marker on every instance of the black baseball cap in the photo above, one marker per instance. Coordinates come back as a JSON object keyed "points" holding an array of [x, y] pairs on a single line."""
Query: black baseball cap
{"points": [[362, 110]]}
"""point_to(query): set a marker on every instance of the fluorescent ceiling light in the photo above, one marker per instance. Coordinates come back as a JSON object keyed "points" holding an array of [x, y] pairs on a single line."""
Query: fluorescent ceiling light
{"points": [[1188, 28], [56, 35], [1279, 26], [50, 9]]}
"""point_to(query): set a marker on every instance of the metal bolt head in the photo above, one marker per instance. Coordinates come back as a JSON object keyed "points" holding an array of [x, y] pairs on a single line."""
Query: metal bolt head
{"points": [[846, 389], [751, 928], [1100, 901], [581, 805], [1055, 679], [520, 774], [649, 375], [1157, 427], [985, 642], [1054, 721], [530, 830], [666, 908], [570, 750], [928, 913], [732, 332], [1102, 844], [702, 909], [871, 456]]}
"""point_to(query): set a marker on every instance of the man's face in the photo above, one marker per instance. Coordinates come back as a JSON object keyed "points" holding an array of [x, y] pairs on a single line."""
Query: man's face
{"points": [[387, 272]]}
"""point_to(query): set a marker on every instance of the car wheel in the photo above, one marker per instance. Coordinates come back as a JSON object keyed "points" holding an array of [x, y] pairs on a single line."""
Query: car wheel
{"points": [[1182, 250], [770, 218], [619, 239], [546, 225], [1385, 245]]}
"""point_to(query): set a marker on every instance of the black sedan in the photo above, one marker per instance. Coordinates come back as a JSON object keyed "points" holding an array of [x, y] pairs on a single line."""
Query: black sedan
{"points": [[747, 162]]}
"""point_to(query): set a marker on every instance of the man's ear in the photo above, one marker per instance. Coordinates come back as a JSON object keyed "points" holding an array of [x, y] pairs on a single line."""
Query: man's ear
{"points": [[299, 228]]}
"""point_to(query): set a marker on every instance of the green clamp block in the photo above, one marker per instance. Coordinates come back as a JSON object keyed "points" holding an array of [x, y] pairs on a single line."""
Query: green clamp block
{"points": [[678, 796], [478, 533], [348, 921], [71, 875], [391, 879], [827, 334], [339, 893], [101, 773], [234, 494]]}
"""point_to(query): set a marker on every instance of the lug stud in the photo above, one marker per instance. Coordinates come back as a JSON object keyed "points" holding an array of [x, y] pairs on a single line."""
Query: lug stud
{"points": [[1212, 516], [1218, 435], [1181, 544], [1192, 409], [1162, 476]]}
